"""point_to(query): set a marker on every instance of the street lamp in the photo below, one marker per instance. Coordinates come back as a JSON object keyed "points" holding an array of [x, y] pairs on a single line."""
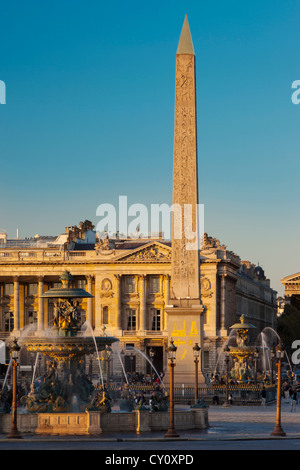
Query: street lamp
{"points": [[273, 355], [278, 431], [171, 358], [108, 352], [131, 364], [196, 354], [14, 350], [226, 351], [151, 354], [256, 355]]}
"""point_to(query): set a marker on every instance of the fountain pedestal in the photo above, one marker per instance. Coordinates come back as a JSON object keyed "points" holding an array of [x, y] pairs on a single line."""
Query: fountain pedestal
{"points": [[242, 352]]}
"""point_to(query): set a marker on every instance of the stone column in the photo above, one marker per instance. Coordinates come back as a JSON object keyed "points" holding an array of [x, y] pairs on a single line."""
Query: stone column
{"points": [[118, 302], [22, 306], [166, 300], [41, 304], [16, 304], [89, 313], [46, 307], [223, 330], [98, 306], [142, 292]]}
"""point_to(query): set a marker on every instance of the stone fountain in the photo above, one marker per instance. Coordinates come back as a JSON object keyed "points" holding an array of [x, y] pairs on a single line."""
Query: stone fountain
{"points": [[66, 387], [67, 403], [242, 352]]}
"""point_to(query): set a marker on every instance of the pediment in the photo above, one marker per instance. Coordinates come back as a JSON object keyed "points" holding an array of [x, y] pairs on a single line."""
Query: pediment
{"points": [[154, 252], [294, 278]]}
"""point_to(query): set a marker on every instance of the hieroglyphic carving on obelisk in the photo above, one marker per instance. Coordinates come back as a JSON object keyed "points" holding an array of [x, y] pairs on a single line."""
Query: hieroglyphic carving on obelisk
{"points": [[184, 313], [185, 279]]}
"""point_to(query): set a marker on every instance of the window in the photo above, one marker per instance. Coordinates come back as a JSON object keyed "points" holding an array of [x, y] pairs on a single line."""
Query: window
{"points": [[155, 284], [130, 363], [57, 285], [131, 320], [81, 283], [156, 320], [130, 284], [9, 321], [206, 359], [32, 318], [8, 289], [33, 289], [105, 315]]}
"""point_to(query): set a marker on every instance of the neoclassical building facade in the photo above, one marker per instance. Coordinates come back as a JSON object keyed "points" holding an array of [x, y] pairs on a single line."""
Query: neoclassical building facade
{"points": [[130, 283]]}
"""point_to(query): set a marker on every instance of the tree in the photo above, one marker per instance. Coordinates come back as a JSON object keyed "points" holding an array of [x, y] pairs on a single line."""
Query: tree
{"points": [[288, 327]]}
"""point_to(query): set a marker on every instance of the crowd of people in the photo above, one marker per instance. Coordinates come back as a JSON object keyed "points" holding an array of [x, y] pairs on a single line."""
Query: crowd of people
{"points": [[139, 378]]}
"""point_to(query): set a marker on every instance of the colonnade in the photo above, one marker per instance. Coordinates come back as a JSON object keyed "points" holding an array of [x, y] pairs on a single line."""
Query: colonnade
{"points": [[115, 298]]}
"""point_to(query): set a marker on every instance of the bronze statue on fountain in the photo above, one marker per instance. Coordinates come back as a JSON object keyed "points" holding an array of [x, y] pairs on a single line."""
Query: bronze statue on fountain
{"points": [[242, 353], [65, 382]]}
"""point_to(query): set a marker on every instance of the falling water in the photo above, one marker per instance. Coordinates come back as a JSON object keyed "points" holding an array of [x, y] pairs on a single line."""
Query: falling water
{"points": [[34, 369], [6, 375], [266, 357], [231, 334], [147, 358], [96, 347], [121, 362], [273, 331]]}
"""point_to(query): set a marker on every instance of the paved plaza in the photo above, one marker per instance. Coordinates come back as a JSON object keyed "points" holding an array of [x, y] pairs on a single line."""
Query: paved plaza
{"points": [[232, 428]]}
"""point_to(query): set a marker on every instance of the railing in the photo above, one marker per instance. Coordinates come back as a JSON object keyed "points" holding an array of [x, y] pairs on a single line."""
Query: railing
{"points": [[241, 394], [43, 255]]}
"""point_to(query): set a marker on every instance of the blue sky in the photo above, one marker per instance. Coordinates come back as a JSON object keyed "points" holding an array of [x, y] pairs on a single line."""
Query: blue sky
{"points": [[89, 116]]}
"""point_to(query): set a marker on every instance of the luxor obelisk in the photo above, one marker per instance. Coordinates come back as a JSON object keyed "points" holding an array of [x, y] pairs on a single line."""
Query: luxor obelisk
{"points": [[185, 309]]}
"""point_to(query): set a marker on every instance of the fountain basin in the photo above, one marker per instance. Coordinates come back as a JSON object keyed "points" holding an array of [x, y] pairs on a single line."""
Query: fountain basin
{"points": [[67, 348], [95, 423]]}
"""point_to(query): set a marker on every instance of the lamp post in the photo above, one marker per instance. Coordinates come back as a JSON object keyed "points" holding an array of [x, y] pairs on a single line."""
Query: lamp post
{"points": [[108, 352], [256, 355], [226, 350], [278, 431], [196, 354], [14, 350], [151, 354], [273, 355], [131, 365], [171, 358]]}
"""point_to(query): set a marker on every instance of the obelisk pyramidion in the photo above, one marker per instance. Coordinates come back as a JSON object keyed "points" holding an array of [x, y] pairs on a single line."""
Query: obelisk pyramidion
{"points": [[185, 309]]}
